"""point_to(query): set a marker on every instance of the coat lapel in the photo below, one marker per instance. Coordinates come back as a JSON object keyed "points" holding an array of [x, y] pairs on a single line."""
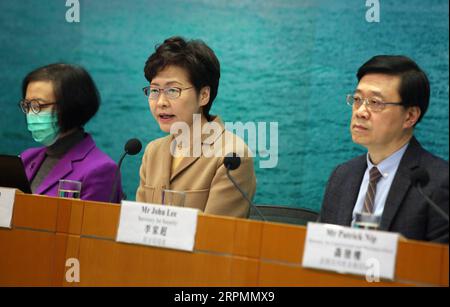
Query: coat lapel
{"points": [[188, 161], [64, 167], [166, 160], [184, 164], [35, 163], [401, 183], [353, 185]]}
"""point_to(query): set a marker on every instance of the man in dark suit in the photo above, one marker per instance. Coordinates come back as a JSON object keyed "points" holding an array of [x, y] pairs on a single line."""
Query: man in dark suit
{"points": [[391, 97]]}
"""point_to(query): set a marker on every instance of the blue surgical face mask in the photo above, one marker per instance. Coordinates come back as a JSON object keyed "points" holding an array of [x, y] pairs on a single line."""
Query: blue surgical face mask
{"points": [[43, 127]]}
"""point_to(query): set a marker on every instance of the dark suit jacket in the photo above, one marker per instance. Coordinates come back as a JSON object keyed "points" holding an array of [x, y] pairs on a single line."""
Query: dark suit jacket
{"points": [[405, 211]]}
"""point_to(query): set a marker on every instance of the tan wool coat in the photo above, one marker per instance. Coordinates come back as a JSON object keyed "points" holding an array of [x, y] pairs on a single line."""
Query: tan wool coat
{"points": [[202, 177]]}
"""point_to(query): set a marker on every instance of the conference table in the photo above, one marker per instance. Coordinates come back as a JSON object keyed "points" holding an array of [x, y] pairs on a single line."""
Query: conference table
{"points": [[50, 235]]}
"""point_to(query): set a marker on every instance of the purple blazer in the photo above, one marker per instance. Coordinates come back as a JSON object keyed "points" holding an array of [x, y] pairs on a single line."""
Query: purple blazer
{"points": [[84, 162]]}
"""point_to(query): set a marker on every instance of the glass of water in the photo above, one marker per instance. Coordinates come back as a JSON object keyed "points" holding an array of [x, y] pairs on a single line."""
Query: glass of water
{"points": [[69, 188], [173, 198], [367, 221]]}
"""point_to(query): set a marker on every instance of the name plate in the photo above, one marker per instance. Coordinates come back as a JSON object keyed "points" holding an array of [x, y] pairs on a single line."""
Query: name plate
{"points": [[7, 196], [350, 250], [157, 225]]}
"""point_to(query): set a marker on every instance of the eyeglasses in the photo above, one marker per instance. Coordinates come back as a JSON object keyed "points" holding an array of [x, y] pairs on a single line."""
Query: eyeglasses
{"points": [[170, 92], [34, 104], [373, 104]]}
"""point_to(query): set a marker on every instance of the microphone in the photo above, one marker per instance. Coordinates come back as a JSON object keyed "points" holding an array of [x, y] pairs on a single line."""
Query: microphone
{"points": [[132, 147], [419, 178], [231, 162]]}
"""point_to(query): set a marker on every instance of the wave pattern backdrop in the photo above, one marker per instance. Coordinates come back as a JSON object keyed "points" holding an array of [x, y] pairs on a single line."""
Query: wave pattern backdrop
{"points": [[290, 62]]}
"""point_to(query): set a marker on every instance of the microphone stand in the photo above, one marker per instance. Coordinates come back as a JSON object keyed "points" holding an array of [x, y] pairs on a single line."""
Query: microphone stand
{"points": [[245, 195], [115, 177], [430, 202]]}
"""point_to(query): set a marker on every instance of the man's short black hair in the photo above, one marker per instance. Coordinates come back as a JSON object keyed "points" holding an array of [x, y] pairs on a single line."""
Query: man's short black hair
{"points": [[414, 85], [77, 97], [195, 57]]}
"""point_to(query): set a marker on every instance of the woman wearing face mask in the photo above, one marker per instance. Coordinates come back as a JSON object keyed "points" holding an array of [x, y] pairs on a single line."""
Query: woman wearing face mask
{"points": [[58, 100]]}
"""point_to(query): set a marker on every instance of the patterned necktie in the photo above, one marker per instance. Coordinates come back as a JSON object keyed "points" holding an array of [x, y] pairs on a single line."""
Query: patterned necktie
{"points": [[369, 201]]}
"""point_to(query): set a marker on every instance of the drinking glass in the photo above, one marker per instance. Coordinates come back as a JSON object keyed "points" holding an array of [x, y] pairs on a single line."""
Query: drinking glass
{"points": [[69, 188], [367, 221]]}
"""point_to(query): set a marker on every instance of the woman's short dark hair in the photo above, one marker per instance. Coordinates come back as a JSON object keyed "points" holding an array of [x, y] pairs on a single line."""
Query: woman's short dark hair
{"points": [[77, 97], [414, 85], [195, 57]]}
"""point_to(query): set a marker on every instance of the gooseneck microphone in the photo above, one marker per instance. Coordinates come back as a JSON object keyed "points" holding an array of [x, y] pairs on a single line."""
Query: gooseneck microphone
{"points": [[420, 178], [231, 162], [132, 147]]}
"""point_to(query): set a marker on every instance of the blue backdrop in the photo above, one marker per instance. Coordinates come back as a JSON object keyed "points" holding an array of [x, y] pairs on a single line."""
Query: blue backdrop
{"points": [[290, 62]]}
